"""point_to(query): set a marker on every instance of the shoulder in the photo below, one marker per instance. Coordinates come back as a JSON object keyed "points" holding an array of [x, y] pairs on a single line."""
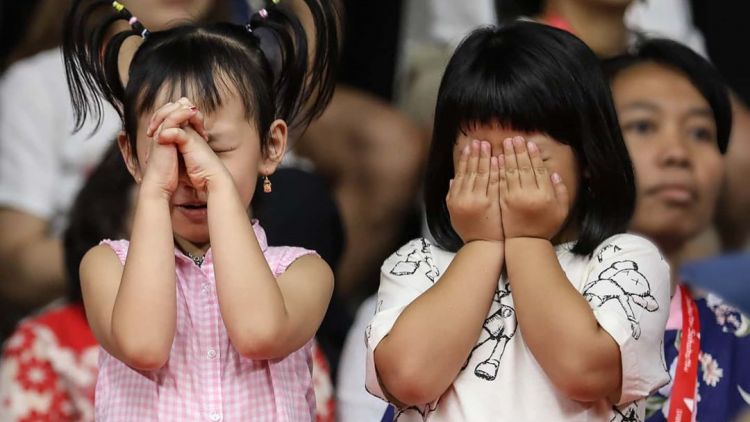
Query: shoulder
{"points": [[418, 257], [626, 244], [105, 254], [289, 258]]}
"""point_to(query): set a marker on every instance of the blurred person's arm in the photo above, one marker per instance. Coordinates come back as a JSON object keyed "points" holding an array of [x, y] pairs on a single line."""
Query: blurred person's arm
{"points": [[31, 262], [31, 137]]}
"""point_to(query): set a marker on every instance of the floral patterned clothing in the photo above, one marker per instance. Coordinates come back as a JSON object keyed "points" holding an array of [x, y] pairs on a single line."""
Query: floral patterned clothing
{"points": [[49, 366], [724, 369], [48, 369]]}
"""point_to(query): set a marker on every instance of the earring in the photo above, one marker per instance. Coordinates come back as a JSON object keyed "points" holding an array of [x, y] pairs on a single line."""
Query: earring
{"points": [[266, 185]]}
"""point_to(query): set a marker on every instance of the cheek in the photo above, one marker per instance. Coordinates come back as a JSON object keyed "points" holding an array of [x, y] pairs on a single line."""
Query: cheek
{"points": [[710, 174]]}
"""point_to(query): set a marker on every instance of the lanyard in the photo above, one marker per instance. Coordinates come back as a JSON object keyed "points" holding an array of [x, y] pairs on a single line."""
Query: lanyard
{"points": [[682, 403]]}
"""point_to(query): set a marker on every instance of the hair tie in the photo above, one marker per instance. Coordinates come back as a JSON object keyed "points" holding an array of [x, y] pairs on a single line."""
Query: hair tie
{"points": [[119, 7], [132, 21], [263, 13]]}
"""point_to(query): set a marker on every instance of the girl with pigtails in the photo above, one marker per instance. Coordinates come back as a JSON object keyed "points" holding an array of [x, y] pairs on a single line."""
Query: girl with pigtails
{"points": [[198, 318]]}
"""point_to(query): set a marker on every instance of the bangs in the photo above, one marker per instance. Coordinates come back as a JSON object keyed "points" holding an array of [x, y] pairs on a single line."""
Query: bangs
{"points": [[204, 67], [524, 96]]}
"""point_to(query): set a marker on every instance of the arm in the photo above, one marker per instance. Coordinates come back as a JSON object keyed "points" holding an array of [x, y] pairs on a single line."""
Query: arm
{"points": [[417, 369], [265, 318], [414, 368], [580, 357], [31, 121], [132, 309], [31, 262], [559, 327]]}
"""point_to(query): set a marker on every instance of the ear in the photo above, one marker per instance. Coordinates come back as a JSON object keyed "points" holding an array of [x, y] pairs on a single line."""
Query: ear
{"points": [[130, 157], [274, 152]]}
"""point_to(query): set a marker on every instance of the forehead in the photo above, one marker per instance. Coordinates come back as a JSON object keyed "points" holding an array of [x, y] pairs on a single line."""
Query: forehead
{"points": [[495, 133], [658, 85]]}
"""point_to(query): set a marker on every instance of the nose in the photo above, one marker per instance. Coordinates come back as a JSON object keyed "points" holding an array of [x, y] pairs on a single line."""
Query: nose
{"points": [[674, 149]]}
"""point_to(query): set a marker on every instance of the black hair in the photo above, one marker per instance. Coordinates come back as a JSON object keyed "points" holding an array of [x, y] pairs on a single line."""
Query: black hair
{"points": [[99, 212], [701, 74], [205, 59], [531, 77]]}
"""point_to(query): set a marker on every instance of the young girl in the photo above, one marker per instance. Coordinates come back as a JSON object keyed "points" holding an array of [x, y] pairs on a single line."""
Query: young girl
{"points": [[198, 318], [533, 304]]}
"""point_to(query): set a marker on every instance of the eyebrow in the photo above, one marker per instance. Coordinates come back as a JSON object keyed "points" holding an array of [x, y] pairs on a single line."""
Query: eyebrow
{"points": [[640, 105], [645, 105]]}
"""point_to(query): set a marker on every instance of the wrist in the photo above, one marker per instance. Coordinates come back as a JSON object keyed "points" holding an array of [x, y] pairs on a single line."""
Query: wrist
{"points": [[149, 192], [492, 246]]}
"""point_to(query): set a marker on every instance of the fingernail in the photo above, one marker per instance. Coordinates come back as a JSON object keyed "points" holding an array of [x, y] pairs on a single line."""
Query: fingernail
{"points": [[475, 143], [486, 147], [556, 178], [508, 143], [518, 140], [450, 183], [501, 160], [493, 161], [531, 146], [465, 151]]}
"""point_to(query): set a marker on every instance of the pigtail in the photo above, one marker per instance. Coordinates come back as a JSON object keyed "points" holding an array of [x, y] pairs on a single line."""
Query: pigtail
{"points": [[91, 54], [303, 85]]}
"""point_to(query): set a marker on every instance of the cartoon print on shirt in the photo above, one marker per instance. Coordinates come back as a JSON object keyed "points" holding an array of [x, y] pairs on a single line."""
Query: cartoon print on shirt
{"points": [[423, 411], [498, 329], [607, 250], [622, 282], [626, 414], [415, 256]]}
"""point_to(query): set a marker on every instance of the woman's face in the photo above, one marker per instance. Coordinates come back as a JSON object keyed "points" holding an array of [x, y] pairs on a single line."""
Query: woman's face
{"points": [[670, 133], [161, 14]]}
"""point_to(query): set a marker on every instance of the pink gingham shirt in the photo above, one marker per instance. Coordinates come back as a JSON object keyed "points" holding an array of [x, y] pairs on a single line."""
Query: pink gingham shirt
{"points": [[205, 379]]}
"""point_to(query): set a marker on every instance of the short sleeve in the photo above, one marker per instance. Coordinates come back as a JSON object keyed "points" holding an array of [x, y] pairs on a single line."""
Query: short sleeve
{"points": [[284, 256], [119, 246], [403, 277], [628, 288], [31, 120]]}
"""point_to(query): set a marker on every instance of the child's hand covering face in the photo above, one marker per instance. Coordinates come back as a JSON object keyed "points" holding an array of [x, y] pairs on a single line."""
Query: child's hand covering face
{"points": [[473, 195], [534, 203], [181, 126]]}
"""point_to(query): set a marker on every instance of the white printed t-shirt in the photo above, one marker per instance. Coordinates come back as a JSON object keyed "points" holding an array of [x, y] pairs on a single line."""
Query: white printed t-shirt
{"points": [[627, 283]]}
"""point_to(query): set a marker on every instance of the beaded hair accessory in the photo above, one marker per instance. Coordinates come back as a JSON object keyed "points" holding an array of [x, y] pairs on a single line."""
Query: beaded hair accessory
{"points": [[263, 13], [132, 20]]}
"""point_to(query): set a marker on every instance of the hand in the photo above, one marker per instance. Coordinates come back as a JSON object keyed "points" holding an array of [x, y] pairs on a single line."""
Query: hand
{"points": [[533, 202], [181, 124], [473, 195]]}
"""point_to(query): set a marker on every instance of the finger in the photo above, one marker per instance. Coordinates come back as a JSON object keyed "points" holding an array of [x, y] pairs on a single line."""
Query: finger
{"points": [[158, 117], [483, 168], [493, 184], [460, 174], [525, 172], [537, 165], [502, 176], [175, 119], [471, 167], [561, 192], [511, 166], [197, 121]]}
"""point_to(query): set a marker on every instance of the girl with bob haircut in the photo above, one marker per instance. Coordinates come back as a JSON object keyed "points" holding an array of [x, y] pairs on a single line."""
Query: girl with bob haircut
{"points": [[198, 318], [532, 303]]}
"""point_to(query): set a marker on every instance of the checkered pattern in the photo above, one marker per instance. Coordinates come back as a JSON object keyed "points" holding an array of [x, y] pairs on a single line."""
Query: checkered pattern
{"points": [[205, 378]]}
